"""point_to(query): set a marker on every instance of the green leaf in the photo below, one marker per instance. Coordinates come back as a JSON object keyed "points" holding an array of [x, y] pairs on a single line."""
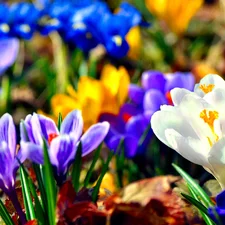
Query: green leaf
{"points": [[26, 194], [94, 160], [50, 186], [120, 159], [38, 208], [195, 202], [59, 121], [76, 170], [5, 215], [104, 170], [41, 186], [205, 216], [195, 187]]}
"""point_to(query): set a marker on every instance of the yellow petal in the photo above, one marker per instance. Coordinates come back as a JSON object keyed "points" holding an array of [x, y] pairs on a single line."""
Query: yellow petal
{"points": [[133, 38], [116, 81], [157, 7], [63, 104], [89, 88], [177, 13]]}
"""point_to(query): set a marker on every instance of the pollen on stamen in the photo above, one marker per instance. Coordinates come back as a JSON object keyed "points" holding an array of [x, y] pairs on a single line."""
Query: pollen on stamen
{"points": [[209, 117], [207, 88]]}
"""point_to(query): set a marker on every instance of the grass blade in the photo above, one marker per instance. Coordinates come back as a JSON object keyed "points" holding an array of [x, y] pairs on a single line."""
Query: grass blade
{"points": [[94, 160], [59, 121], [195, 187], [205, 216], [76, 170], [26, 194], [196, 203], [50, 186], [41, 186], [104, 170], [38, 208], [5, 215]]}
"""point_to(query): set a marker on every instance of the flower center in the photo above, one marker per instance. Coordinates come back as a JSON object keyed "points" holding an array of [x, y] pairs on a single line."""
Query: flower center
{"points": [[168, 97], [51, 137], [207, 88], [209, 117], [126, 117]]}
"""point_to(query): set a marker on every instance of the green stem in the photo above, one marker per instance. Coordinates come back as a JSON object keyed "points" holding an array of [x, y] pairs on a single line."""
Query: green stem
{"points": [[60, 61]]}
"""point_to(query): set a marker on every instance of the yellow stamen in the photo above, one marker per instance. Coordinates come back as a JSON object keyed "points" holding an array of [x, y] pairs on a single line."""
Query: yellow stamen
{"points": [[209, 117], [207, 88], [118, 40], [4, 27]]}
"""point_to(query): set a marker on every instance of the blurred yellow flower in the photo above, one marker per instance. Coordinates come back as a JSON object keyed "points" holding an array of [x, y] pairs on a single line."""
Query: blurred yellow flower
{"points": [[177, 13], [93, 96], [133, 38]]}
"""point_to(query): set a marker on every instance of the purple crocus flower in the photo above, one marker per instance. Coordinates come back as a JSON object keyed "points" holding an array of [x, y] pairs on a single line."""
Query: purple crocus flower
{"points": [[133, 122], [9, 49], [62, 145], [219, 209], [9, 161]]}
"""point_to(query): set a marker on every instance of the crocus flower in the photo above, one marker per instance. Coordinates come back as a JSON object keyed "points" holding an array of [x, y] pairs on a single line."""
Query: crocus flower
{"points": [[219, 209], [63, 143], [94, 97], [9, 157], [177, 14], [134, 117], [9, 49], [9, 161], [24, 16], [194, 126]]}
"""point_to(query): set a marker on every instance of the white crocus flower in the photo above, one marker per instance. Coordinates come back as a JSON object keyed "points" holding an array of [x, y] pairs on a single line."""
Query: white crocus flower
{"points": [[195, 125]]}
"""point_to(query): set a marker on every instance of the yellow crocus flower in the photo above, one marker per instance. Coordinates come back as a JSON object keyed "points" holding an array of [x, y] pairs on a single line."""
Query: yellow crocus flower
{"points": [[93, 96], [177, 13]]}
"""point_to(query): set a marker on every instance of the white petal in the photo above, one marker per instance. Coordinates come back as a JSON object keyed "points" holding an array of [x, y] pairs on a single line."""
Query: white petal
{"points": [[170, 118], [217, 160], [177, 95], [207, 80], [191, 149]]}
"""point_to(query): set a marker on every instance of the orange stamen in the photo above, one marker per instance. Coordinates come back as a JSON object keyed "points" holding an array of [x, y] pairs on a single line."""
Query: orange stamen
{"points": [[169, 98], [207, 88], [51, 137], [126, 117], [209, 117]]}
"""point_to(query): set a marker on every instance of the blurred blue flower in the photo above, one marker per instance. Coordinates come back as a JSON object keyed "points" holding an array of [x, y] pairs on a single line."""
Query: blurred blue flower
{"points": [[133, 122], [217, 213], [62, 145], [9, 49], [23, 19], [82, 25], [4, 21]]}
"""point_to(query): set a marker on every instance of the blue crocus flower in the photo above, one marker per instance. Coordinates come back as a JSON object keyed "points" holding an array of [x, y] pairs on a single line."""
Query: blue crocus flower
{"points": [[82, 25], [62, 145], [112, 29], [134, 118], [4, 21], [9, 49], [54, 17], [23, 19], [218, 212]]}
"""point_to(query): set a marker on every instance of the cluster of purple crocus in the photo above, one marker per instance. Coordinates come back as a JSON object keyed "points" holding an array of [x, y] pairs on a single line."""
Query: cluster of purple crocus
{"points": [[62, 146], [132, 125]]}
